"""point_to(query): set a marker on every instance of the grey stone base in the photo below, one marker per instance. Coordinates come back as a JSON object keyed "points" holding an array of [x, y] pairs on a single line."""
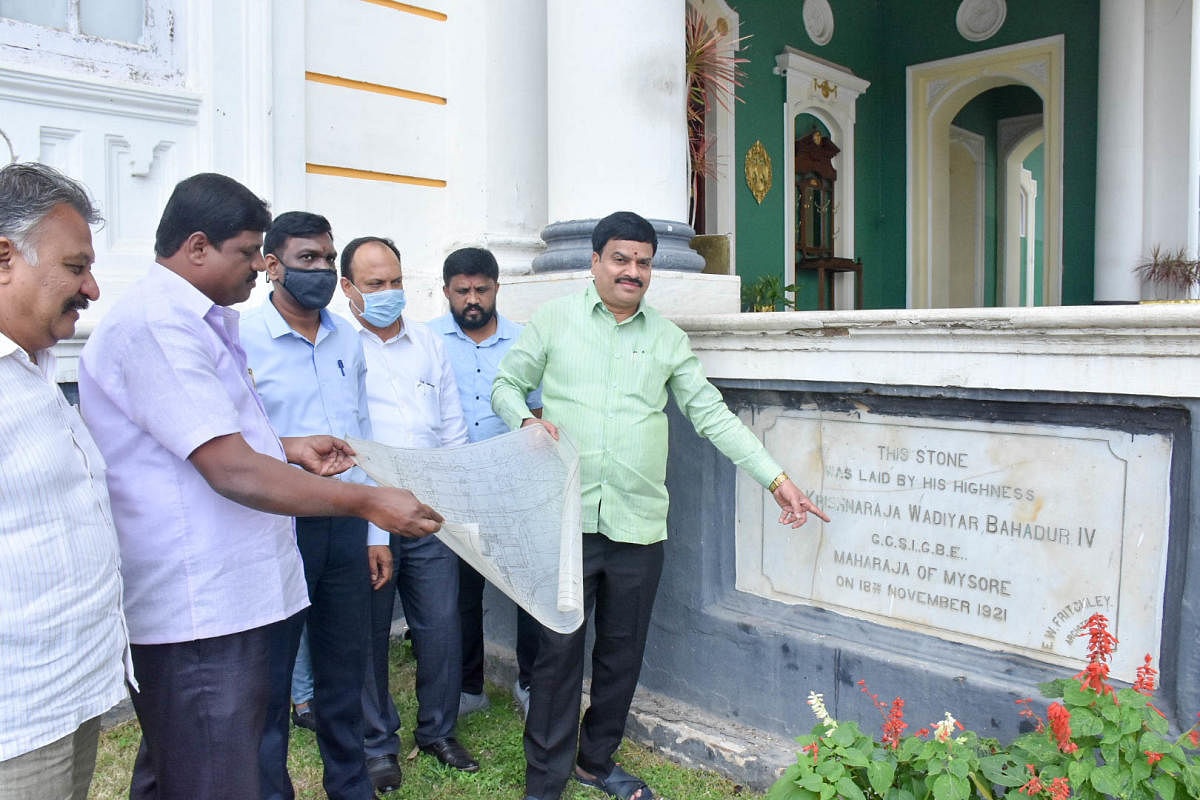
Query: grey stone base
{"points": [[569, 246]]}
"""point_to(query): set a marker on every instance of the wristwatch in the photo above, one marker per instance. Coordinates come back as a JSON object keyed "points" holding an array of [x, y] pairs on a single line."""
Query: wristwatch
{"points": [[775, 484]]}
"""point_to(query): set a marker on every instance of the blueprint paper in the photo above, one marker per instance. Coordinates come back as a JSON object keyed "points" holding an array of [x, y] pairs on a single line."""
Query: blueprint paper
{"points": [[512, 511]]}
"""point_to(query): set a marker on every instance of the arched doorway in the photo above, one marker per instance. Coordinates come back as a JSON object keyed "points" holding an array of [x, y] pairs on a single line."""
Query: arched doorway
{"points": [[937, 92]]}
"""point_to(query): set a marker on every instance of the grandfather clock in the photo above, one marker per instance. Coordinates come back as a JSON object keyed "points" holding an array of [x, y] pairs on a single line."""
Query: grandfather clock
{"points": [[815, 209]]}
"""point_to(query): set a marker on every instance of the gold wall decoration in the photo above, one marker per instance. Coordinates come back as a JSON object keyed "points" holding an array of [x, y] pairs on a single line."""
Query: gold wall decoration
{"points": [[825, 88], [758, 170]]}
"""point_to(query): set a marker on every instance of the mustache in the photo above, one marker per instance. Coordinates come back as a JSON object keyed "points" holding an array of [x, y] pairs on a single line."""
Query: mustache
{"points": [[77, 302], [635, 281], [473, 307]]}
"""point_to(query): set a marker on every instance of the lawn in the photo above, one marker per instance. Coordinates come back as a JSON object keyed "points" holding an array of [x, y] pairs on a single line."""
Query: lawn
{"points": [[493, 736]]}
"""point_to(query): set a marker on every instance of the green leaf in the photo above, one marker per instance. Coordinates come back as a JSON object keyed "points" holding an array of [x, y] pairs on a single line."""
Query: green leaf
{"points": [[1109, 780], [1078, 771], [849, 790], [813, 783], [951, 787], [1056, 688], [1139, 770], [880, 775], [1073, 694], [1165, 786], [854, 757], [1001, 770], [1109, 710], [899, 793], [1085, 723], [843, 736], [960, 767]]}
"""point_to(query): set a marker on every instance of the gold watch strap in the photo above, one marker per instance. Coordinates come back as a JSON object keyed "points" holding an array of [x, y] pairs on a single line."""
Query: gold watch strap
{"points": [[775, 484]]}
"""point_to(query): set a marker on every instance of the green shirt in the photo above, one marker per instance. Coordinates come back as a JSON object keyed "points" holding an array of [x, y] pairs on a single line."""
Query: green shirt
{"points": [[605, 385]]}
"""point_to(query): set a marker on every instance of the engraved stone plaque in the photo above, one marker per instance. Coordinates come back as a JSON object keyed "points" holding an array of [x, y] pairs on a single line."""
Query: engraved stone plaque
{"points": [[1007, 536]]}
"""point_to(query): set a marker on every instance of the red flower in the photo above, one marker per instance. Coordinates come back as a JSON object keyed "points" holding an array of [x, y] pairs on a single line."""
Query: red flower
{"points": [[1031, 715], [1152, 757], [923, 732], [1145, 678], [1100, 649], [811, 748], [1060, 725], [1060, 789], [862, 687], [1035, 785], [1194, 737], [894, 725]]}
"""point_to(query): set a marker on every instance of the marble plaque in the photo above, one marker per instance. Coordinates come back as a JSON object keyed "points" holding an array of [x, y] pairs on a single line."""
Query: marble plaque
{"points": [[1002, 535]]}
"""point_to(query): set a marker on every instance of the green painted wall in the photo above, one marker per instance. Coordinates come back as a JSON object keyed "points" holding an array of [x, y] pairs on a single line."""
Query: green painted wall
{"points": [[877, 39]]}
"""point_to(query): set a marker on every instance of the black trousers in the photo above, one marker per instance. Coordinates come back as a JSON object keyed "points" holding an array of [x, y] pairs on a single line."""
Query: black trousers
{"points": [[201, 707], [470, 616], [619, 584], [426, 577], [334, 551]]}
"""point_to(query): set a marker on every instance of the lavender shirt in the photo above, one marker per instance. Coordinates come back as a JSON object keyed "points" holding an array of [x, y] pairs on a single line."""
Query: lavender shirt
{"points": [[163, 374]]}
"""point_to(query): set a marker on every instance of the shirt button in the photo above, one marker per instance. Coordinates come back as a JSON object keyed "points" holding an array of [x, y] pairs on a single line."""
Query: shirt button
{"points": [[476, 397], [479, 370]]}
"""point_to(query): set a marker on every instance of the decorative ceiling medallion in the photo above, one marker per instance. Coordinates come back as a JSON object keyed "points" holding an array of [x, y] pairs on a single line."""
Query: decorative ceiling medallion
{"points": [[818, 21], [758, 170], [978, 20]]}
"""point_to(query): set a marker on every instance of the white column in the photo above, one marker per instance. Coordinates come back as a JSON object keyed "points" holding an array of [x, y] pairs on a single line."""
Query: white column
{"points": [[615, 87], [1193, 205], [1120, 149], [497, 177]]}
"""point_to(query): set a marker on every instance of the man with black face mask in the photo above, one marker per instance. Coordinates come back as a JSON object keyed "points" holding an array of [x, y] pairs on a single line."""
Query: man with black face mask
{"points": [[308, 367]]}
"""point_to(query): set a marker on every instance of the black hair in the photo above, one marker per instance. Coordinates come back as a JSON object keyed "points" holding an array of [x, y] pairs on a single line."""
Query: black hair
{"points": [[292, 224], [213, 204], [352, 247], [625, 226], [470, 261]]}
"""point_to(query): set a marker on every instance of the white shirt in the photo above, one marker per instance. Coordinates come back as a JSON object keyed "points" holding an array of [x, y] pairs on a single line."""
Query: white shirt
{"points": [[411, 392], [63, 643], [163, 374]]}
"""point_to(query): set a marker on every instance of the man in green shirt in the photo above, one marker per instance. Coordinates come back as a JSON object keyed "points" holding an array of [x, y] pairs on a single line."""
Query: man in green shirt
{"points": [[605, 361]]}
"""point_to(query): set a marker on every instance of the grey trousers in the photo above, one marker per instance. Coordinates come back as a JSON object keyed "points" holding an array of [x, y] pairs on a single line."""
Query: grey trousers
{"points": [[61, 770]]}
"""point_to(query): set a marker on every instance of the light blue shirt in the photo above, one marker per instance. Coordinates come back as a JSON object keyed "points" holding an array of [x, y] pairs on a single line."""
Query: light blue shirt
{"points": [[306, 388], [475, 368]]}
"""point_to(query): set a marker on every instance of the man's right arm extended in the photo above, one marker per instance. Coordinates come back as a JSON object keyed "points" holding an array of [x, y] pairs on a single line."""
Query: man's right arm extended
{"points": [[236, 471], [520, 372]]}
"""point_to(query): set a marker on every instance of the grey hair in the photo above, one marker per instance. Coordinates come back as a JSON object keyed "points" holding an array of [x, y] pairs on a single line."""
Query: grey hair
{"points": [[28, 192]]}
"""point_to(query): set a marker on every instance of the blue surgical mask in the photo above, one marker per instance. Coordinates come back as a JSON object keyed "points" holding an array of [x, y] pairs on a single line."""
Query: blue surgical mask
{"points": [[381, 308]]}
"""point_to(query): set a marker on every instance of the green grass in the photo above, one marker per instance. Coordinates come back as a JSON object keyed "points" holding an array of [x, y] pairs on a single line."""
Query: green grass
{"points": [[493, 737]]}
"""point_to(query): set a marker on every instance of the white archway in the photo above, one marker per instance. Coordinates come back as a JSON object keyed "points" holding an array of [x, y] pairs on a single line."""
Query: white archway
{"points": [[936, 92]]}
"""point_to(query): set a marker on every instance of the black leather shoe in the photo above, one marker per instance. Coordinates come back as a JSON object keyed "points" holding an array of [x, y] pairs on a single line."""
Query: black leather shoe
{"points": [[304, 719], [384, 772], [451, 753]]}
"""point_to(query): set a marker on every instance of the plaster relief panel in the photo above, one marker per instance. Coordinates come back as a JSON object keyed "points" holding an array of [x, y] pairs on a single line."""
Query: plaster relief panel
{"points": [[1001, 535], [138, 181], [61, 148]]}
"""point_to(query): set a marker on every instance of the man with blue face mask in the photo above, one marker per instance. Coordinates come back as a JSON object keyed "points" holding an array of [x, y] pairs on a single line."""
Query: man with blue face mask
{"points": [[413, 400], [310, 373]]}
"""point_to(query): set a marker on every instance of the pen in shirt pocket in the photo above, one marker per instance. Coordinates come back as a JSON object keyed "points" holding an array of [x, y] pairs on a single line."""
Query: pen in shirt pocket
{"points": [[341, 368]]}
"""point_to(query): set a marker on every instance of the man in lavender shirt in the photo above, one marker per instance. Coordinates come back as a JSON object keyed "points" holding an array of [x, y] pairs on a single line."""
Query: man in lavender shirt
{"points": [[202, 496]]}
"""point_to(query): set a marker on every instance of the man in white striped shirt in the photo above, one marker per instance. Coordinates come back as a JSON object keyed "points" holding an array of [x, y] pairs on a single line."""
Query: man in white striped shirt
{"points": [[62, 635]]}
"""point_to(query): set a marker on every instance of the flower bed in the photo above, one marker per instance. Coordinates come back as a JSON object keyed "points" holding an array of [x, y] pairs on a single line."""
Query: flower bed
{"points": [[1099, 742]]}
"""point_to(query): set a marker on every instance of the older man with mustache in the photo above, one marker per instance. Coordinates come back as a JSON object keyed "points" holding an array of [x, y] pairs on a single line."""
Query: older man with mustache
{"points": [[62, 635]]}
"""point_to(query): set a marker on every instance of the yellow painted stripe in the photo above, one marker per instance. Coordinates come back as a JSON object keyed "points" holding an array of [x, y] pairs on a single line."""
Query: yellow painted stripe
{"points": [[420, 12], [372, 175], [378, 88]]}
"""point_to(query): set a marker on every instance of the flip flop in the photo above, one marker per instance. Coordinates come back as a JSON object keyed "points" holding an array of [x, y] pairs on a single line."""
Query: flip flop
{"points": [[619, 784]]}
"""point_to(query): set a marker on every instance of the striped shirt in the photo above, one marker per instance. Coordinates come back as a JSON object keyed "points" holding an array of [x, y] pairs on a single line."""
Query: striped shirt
{"points": [[605, 385], [62, 636]]}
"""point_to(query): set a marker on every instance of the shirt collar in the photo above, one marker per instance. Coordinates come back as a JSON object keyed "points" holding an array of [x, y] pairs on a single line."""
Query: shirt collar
{"points": [[182, 291], [362, 329], [277, 326], [448, 325], [45, 358], [592, 300]]}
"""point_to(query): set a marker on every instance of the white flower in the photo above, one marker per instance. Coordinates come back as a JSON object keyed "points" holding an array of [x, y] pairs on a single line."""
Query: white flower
{"points": [[943, 729], [817, 703]]}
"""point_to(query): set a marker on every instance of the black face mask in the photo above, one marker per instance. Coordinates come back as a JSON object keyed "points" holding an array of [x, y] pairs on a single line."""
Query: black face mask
{"points": [[311, 288]]}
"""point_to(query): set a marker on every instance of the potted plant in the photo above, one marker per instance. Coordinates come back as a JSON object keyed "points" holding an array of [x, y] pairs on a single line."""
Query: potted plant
{"points": [[713, 76], [1172, 273], [767, 294]]}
